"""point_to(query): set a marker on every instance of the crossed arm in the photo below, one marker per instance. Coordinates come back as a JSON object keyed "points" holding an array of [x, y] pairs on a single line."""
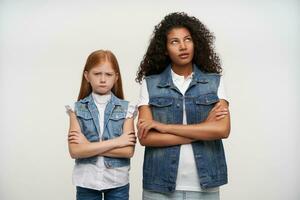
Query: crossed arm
{"points": [[80, 147], [156, 134]]}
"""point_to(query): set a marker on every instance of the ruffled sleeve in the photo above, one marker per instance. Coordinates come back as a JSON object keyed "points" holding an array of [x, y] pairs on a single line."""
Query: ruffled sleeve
{"points": [[132, 110], [70, 108]]}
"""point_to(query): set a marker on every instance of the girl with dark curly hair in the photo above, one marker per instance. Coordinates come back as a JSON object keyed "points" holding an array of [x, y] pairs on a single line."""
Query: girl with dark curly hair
{"points": [[183, 112]]}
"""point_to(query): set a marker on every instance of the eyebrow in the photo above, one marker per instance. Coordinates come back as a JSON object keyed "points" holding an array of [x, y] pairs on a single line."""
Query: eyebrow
{"points": [[178, 38], [103, 72]]}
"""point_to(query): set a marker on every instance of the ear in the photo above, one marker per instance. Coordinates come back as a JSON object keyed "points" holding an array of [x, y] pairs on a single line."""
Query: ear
{"points": [[86, 76]]}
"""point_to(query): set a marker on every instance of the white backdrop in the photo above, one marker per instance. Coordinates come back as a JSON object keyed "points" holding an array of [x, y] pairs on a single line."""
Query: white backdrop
{"points": [[44, 45]]}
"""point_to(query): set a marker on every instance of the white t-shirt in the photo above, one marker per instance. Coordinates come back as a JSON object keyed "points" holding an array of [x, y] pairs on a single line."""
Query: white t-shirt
{"points": [[187, 176], [97, 176]]}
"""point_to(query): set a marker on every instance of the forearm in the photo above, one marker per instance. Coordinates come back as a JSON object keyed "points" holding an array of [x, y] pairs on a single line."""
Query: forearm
{"points": [[74, 124], [157, 139], [92, 149], [123, 152], [202, 131]]}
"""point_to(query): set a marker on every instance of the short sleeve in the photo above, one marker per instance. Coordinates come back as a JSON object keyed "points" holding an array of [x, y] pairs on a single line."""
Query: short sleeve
{"points": [[70, 108], [221, 90], [131, 110], [144, 95]]}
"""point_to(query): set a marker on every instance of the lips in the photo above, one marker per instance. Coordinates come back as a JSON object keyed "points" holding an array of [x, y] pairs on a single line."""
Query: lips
{"points": [[183, 55]]}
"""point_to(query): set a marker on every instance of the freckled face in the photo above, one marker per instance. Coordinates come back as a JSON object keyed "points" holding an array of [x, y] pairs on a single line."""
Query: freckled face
{"points": [[102, 78], [180, 46]]}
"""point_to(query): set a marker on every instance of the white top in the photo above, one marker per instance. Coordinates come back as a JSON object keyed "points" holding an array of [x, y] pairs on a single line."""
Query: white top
{"points": [[97, 176], [187, 176]]}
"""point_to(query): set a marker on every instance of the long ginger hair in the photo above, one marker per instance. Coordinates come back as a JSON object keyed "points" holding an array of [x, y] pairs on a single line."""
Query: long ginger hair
{"points": [[94, 59]]}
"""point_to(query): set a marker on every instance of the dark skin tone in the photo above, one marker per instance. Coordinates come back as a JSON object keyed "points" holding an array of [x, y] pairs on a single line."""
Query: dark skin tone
{"points": [[180, 49]]}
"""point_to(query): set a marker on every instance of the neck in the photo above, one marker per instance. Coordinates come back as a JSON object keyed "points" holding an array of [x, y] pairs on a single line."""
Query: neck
{"points": [[183, 70]]}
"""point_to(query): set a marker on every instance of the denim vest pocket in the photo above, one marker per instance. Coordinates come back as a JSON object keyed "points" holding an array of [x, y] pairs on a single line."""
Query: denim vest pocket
{"points": [[207, 99], [160, 106], [204, 104], [87, 125], [160, 101], [116, 123]]}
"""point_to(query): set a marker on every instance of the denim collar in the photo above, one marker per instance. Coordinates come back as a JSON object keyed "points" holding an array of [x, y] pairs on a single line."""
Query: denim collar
{"points": [[166, 77]]}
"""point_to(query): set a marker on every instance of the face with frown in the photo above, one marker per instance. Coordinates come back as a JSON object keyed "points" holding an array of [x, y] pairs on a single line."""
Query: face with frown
{"points": [[102, 78]]}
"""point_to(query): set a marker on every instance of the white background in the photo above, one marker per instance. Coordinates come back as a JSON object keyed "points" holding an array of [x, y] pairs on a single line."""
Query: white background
{"points": [[44, 46]]}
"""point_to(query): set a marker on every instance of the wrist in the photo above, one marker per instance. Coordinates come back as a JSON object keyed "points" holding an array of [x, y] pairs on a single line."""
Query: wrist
{"points": [[116, 142], [165, 128]]}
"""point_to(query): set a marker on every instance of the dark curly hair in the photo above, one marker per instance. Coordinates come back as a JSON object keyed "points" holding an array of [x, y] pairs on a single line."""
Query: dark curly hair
{"points": [[155, 60]]}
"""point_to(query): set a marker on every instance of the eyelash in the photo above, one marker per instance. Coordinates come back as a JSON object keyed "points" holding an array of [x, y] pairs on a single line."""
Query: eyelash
{"points": [[186, 39]]}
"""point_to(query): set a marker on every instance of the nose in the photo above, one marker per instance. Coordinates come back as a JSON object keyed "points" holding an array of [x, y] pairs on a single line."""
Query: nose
{"points": [[182, 46], [102, 78]]}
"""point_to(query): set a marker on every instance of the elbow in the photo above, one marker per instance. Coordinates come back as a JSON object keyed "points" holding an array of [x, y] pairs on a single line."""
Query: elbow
{"points": [[142, 142], [224, 132], [75, 154], [130, 153]]}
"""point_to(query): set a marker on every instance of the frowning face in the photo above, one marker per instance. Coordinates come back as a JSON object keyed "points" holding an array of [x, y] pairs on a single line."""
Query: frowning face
{"points": [[102, 78]]}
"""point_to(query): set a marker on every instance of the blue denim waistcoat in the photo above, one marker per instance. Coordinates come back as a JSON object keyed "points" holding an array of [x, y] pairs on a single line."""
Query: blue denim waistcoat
{"points": [[114, 116], [166, 103]]}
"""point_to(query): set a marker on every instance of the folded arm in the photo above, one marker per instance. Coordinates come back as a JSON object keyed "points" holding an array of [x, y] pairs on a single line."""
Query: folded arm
{"points": [[207, 130], [80, 147], [127, 151], [154, 138], [153, 133]]}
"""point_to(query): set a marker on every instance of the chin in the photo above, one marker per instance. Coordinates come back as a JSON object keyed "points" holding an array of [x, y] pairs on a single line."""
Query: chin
{"points": [[102, 92]]}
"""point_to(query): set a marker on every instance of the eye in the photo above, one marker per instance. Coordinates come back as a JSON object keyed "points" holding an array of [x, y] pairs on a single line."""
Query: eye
{"points": [[188, 39], [109, 74], [174, 42]]}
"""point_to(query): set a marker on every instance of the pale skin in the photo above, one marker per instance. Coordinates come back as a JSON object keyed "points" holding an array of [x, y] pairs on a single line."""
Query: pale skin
{"points": [[121, 147], [180, 49], [102, 78]]}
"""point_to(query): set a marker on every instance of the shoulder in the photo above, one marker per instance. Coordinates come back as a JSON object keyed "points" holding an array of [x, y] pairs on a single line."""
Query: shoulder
{"points": [[124, 102], [152, 80], [153, 77], [121, 102], [82, 103]]}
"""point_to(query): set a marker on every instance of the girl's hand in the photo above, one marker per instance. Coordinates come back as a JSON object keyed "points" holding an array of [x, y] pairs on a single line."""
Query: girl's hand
{"points": [[76, 137], [217, 113], [126, 139], [144, 126]]}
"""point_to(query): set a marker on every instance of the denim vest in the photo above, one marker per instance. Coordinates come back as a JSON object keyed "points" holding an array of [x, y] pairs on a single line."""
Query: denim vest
{"points": [[114, 116], [166, 103]]}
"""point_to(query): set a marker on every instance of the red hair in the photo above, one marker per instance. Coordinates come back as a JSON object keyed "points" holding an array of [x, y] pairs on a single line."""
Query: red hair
{"points": [[94, 59]]}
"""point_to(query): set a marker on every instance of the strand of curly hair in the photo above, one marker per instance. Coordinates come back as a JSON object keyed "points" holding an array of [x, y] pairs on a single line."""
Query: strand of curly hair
{"points": [[155, 60]]}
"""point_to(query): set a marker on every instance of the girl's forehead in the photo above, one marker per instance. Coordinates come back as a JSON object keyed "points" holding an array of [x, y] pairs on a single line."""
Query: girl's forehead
{"points": [[103, 66]]}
